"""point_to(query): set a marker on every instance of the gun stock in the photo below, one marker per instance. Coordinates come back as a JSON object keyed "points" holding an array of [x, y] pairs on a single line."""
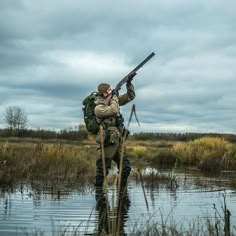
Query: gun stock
{"points": [[124, 80]]}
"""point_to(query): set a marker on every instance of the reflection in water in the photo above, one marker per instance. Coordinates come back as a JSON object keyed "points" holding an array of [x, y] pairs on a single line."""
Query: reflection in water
{"points": [[112, 219], [55, 207]]}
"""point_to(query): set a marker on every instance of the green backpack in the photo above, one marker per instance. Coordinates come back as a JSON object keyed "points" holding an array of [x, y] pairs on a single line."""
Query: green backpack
{"points": [[89, 115]]}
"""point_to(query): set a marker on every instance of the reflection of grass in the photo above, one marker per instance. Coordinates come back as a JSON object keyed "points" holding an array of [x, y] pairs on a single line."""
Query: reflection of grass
{"points": [[157, 224], [45, 161], [153, 224], [199, 226], [151, 178]]}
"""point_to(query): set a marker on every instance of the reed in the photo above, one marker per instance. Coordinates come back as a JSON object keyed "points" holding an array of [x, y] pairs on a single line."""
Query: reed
{"points": [[155, 225], [45, 161], [208, 153], [153, 179], [76, 160]]}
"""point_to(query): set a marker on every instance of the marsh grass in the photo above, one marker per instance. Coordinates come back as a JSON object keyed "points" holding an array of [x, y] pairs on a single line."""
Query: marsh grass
{"points": [[151, 154], [217, 224], [34, 159], [45, 161], [208, 153]]}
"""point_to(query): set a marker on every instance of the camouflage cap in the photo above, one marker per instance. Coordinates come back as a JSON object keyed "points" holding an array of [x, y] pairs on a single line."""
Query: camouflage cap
{"points": [[103, 87]]}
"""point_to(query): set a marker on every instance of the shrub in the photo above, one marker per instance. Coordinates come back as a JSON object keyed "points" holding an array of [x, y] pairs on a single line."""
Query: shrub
{"points": [[165, 158], [208, 153]]}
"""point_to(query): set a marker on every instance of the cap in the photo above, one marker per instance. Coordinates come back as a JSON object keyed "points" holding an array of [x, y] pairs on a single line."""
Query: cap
{"points": [[103, 87]]}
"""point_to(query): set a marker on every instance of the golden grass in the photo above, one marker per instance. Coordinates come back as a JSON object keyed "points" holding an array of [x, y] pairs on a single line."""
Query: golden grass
{"points": [[207, 153], [49, 161], [139, 151], [150, 153], [34, 159]]}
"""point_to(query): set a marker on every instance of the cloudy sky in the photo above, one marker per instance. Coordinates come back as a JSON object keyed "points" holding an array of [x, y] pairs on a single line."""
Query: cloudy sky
{"points": [[53, 53]]}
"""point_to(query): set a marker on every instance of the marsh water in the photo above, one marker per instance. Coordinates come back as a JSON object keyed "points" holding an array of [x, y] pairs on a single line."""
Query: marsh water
{"points": [[46, 208]]}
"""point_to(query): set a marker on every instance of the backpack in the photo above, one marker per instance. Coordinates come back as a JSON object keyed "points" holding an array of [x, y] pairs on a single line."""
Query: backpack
{"points": [[89, 115]]}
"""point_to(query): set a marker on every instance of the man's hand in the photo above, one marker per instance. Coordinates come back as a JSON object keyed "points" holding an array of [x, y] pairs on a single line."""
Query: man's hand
{"points": [[115, 92], [131, 76]]}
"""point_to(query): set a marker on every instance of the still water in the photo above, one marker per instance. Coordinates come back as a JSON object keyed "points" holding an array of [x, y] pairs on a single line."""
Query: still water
{"points": [[36, 207]]}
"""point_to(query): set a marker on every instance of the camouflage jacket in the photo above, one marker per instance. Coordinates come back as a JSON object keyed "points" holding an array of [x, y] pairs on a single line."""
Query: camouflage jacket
{"points": [[107, 114]]}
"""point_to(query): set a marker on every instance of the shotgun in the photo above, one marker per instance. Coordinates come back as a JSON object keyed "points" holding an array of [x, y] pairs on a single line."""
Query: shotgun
{"points": [[124, 80]]}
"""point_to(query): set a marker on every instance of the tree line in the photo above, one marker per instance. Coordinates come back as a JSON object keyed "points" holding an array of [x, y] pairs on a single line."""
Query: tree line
{"points": [[181, 136], [75, 135], [82, 134], [16, 119], [16, 122]]}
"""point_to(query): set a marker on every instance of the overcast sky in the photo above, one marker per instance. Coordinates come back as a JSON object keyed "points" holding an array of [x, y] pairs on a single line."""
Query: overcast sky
{"points": [[53, 53]]}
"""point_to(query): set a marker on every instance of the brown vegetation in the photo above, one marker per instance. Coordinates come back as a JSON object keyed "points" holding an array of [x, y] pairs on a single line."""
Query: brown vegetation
{"points": [[45, 161], [53, 159], [208, 153]]}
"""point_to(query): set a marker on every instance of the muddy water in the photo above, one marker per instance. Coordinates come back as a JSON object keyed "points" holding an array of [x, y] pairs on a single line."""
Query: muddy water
{"points": [[67, 207]]}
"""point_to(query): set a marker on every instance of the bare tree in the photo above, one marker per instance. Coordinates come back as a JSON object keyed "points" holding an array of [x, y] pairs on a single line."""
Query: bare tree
{"points": [[15, 117]]}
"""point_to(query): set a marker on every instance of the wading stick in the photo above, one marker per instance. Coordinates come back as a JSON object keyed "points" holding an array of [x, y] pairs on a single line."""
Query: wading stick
{"points": [[121, 160], [103, 157], [133, 110], [119, 181], [104, 175]]}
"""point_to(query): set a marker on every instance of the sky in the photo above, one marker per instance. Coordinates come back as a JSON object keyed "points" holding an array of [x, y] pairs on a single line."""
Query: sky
{"points": [[54, 53]]}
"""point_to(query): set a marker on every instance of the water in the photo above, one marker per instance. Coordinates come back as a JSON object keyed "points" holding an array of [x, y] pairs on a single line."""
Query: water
{"points": [[38, 207]]}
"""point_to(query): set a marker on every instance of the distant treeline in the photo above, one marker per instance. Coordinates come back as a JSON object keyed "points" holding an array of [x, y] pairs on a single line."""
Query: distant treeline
{"points": [[78, 135], [181, 136], [82, 134]]}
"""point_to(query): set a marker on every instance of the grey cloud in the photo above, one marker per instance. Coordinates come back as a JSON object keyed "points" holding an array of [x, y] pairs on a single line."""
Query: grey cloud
{"points": [[53, 53]]}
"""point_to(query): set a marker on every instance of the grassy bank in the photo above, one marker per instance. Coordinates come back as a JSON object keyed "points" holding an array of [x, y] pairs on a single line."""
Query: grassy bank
{"points": [[26, 160], [34, 159], [207, 153]]}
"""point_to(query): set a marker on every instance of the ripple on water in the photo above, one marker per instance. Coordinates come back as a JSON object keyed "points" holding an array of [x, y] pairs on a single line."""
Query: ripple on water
{"points": [[27, 208]]}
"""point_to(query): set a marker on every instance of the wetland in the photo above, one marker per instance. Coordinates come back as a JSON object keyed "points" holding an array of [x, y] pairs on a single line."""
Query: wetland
{"points": [[47, 189]]}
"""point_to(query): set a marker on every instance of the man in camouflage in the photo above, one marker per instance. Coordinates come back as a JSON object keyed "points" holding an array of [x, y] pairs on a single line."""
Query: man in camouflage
{"points": [[108, 115]]}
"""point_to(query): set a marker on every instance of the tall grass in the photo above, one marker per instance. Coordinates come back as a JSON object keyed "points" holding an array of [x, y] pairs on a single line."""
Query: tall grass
{"points": [[30, 160], [156, 155], [208, 153], [45, 161]]}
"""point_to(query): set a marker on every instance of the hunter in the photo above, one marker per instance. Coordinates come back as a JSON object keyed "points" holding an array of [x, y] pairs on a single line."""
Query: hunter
{"points": [[108, 115]]}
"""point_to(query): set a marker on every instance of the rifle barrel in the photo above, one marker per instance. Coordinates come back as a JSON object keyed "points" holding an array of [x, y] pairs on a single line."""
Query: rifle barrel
{"points": [[124, 80], [143, 62]]}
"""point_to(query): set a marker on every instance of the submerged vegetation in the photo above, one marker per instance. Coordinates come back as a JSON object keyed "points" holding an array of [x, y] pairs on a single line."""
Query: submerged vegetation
{"points": [[112, 222]]}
